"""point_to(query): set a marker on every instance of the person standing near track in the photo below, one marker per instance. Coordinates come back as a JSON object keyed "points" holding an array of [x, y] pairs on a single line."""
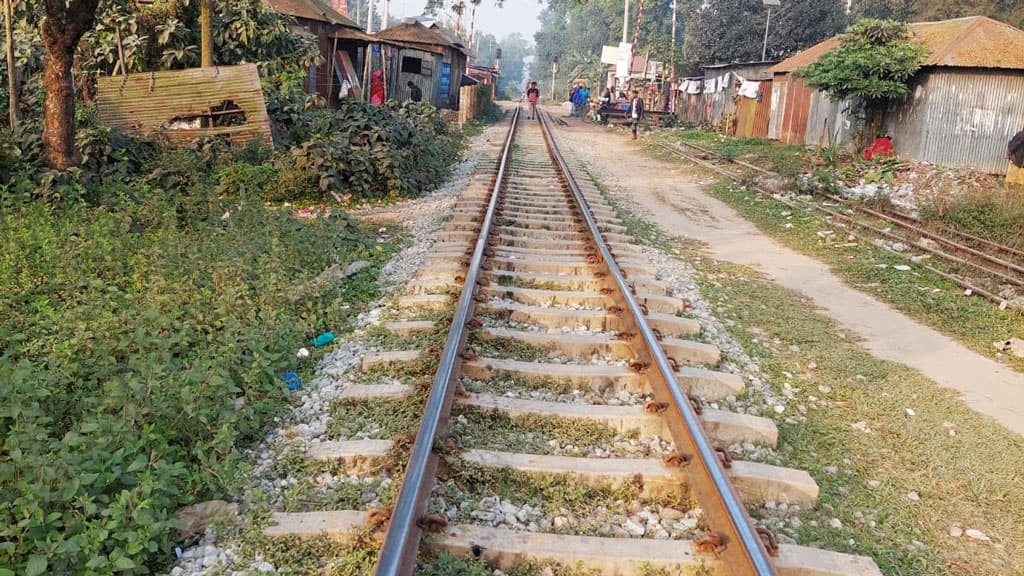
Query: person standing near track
{"points": [[636, 112], [533, 95]]}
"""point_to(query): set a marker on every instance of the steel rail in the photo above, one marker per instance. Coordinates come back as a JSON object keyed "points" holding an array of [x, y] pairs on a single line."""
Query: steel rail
{"points": [[744, 551], [994, 298], [902, 222], [401, 544]]}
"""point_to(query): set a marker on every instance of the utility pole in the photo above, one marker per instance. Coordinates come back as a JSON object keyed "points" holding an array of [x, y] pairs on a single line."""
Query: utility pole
{"points": [[554, 70], [369, 17], [764, 49], [206, 24], [387, 14], [625, 23], [12, 84], [672, 77]]}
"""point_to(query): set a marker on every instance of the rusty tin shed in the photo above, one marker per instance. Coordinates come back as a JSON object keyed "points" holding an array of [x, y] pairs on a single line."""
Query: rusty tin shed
{"points": [[965, 105], [341, 41], [431, 58]]}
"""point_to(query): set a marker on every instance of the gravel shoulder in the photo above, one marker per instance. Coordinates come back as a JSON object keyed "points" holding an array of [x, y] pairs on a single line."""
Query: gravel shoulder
{"points": [[673, 198]]}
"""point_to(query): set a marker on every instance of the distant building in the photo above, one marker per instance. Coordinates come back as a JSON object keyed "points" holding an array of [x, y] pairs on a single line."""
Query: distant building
{"points": [[966, 103]]}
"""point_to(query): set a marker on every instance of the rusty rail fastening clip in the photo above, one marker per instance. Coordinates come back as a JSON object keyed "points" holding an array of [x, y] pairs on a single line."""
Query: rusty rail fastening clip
{"points": [[725, 456], [657, 334], [770, 544], [674, 364], [677, 460], [698, 408], [645, 309], [654, 407]]}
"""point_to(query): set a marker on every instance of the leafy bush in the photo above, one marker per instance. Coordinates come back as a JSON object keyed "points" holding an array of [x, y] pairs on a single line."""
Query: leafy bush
{"points": [[142, 343], [399, 149]]}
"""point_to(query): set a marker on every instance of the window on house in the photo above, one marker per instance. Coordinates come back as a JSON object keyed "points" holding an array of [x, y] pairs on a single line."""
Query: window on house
{"points": [[412, 65]]}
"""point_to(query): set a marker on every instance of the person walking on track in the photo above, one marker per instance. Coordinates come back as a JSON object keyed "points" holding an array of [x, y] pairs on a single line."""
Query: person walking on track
{"points": [[636, 112], [532, 95]]}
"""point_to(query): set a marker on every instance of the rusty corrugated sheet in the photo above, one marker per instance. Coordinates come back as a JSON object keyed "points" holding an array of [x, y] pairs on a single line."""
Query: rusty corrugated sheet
{"points": [[763, 115], [960, 118], [796, 108], [146, 103], [780, 86], [971, 42]]}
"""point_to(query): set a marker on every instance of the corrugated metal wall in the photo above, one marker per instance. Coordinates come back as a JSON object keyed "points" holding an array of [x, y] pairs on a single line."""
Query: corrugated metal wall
{"points": [[827, 119], [753, 115], [780, 88], [960, 118], [148, 102]]}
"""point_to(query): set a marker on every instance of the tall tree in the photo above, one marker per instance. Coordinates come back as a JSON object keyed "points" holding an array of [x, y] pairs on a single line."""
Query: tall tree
{"points": [[901, 10], [66, 22], [721, 31]]}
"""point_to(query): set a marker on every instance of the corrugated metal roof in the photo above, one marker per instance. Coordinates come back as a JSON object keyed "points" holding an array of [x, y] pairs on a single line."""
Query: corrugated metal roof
{"points": [[152, 102], [971, 42], [413, 32], [311, 10]]}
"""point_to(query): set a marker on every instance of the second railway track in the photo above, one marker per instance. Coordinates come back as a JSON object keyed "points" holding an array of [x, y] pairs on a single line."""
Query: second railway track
{"points": [[563, 327]]}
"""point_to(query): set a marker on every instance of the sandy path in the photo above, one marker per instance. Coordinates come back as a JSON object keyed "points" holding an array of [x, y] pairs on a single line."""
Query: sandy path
{"points": [[675, 201]]}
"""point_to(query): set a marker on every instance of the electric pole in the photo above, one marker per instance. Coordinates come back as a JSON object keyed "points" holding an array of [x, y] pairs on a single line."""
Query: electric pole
{"points": [[625, 23], [206, 24], [672, 76]]}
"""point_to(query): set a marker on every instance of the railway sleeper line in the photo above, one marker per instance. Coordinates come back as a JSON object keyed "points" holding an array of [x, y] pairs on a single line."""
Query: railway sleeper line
{"points": [[556, 342]]}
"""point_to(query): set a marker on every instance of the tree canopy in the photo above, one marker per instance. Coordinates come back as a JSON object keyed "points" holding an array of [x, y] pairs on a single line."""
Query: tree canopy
{"points": [[733, 30], [1009, 11], [875, 61]]}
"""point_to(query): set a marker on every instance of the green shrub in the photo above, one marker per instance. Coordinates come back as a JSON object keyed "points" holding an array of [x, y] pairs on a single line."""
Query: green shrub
{"points": [[142, 344]]}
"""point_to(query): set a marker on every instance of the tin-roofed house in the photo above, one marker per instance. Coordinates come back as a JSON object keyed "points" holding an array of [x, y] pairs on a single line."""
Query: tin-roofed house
{"points": [[966, 103], [429, 58], [341, 41]]}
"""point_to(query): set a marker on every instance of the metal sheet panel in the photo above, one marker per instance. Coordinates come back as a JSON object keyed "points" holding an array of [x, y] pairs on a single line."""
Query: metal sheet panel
{"points": [[960, 118], [151, 102], [778, 107], [827, 119]]}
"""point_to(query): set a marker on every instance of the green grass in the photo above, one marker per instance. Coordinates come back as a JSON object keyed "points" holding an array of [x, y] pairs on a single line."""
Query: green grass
{"points": [[971, 479], [548, 492], [507, 348], [918, 293], [387, 417], [493, 430], [501, 384]]}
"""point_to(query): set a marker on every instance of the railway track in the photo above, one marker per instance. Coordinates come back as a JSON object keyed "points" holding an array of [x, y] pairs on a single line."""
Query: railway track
{"points": [[985, 268], [570, 391]]}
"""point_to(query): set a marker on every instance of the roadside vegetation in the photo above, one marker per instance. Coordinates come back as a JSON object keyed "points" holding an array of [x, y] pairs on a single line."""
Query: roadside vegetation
{"points": [[981, 206], [906, 469], [153, 297]]}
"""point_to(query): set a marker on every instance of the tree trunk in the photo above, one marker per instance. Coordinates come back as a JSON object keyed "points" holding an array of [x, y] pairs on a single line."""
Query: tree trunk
{"points": [[66, 21], [59, 112]]}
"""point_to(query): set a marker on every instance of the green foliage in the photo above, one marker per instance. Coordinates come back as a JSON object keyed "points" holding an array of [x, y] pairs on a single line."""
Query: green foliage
{"points": [[931, 10], [875, 62], [142, 340], [399, 149], [733, 30]]}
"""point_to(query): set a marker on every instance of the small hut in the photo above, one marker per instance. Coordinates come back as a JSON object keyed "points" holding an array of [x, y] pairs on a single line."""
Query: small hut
{"points": [[428, 58], [341, 41], [966, 103]]}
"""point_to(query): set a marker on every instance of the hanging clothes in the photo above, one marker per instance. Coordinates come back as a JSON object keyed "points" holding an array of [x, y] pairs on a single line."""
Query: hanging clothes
{"points": [[750, 89]]}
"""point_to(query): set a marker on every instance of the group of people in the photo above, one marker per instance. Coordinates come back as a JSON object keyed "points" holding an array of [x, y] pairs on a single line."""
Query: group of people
{"points": [[579, 96]]}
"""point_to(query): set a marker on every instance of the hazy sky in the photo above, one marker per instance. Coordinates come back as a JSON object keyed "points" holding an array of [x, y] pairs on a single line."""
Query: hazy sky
{"points": [[516, 16]]}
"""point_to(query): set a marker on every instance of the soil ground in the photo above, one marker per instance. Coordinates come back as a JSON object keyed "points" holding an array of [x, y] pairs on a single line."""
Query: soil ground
{"points": [[673, 198]]}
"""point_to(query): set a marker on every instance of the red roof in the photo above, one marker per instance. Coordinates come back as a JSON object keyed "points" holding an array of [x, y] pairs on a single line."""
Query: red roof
{"points": [[971, 42], [311, 10]]}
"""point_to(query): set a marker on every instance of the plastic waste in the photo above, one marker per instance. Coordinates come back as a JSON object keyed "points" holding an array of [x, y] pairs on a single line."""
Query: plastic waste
{"points": [[292, 380], [302, 354], [322, 340]]}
